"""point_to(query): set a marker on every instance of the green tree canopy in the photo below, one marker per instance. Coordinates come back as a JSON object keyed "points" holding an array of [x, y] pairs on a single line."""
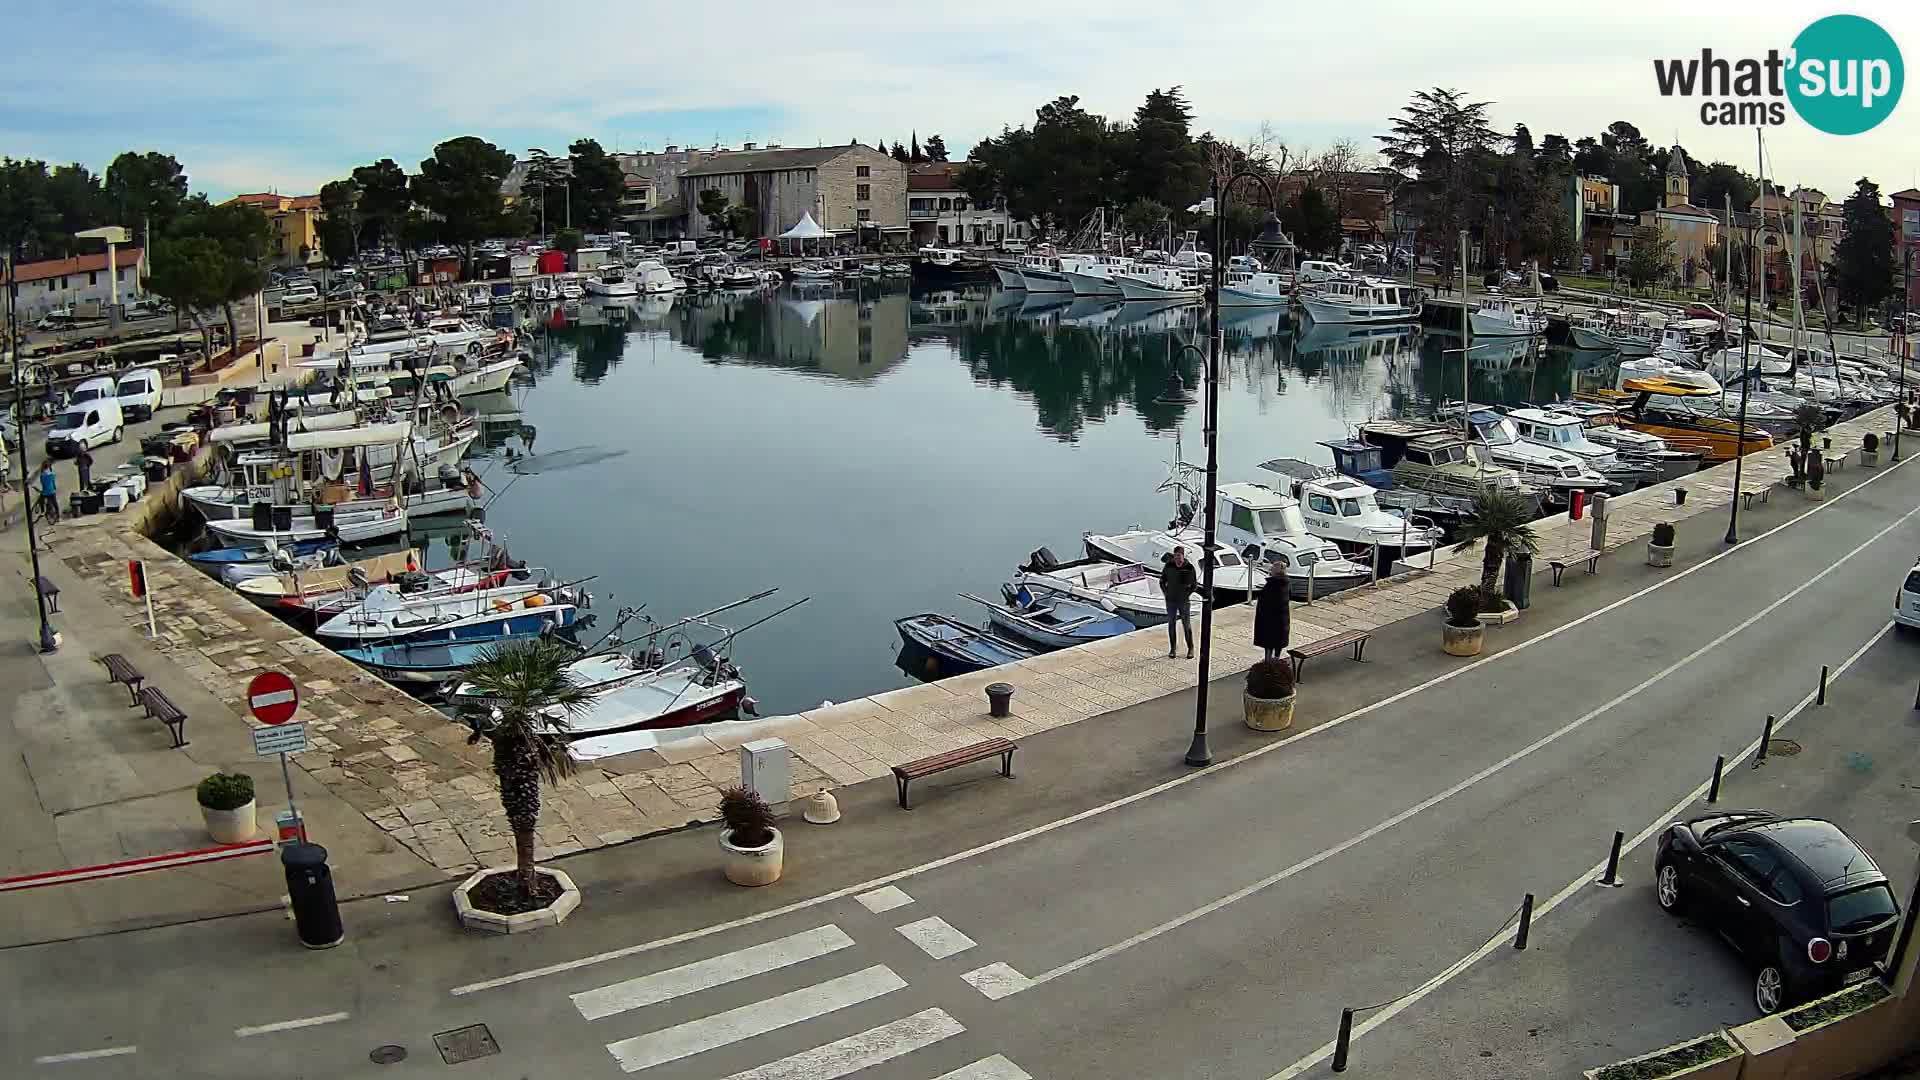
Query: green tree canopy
{"points": [[384, 200], [340, 220], [1312, 221], [1446, 142], [145, 190], [461, 183], [936, 148], [713, 207], [598, 185], [1863, 259], [1721, 181], [1649, 258], [568, 240]]}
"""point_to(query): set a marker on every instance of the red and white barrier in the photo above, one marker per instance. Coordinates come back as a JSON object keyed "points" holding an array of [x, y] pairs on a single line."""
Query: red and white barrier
{"points": [[136, 866]]}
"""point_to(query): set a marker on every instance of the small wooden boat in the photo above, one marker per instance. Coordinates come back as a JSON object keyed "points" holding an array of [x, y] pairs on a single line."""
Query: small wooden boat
{"points": [[356, 528], [428, 662], [1051, 621], [387, 614], [245, 553], [955, 647]]}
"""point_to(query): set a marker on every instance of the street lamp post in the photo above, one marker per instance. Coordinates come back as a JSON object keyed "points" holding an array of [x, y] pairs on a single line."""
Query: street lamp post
{"points": [[1746, 385], [48, 642], [1198, 754], [1906, 351]]}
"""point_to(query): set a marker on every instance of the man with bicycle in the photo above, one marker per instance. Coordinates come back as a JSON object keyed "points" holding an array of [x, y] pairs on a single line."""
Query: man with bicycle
{"points": [[49, 494]]}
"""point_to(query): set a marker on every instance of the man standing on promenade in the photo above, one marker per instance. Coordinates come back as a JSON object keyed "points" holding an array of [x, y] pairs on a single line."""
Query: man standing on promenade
{"points": [[1177, 585]]}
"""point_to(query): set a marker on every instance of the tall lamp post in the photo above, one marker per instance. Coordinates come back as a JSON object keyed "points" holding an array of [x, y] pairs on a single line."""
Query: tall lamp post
{"points": [[48, 642], [1746, 385], [1906, 350], [1198, 754]]}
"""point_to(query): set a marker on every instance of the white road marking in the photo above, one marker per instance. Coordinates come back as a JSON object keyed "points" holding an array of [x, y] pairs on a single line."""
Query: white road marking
{"points": [[758, 1018], [1574, 887], [84, 1055], [996, 981], [1434, 800], [936, 937], [996, 1067], [289, 1025], [856, 1052], [1158, 789], [881, 900], [705, 974]]}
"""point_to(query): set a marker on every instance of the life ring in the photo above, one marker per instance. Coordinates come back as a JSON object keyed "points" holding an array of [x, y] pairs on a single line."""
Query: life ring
{"points": [[333, 464], [450, 414]]}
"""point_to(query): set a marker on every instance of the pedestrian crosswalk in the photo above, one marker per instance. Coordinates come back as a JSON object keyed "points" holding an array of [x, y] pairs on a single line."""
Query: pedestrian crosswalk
{"points": [[807, 954]]}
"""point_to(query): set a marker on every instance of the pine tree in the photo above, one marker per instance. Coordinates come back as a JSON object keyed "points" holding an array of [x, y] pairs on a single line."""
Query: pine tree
{"points": [[900, 153], [1863, 260], [913, 152]]}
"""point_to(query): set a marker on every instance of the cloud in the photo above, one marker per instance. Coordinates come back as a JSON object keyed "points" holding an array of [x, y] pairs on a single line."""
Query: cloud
{"points": [[265, 99]]}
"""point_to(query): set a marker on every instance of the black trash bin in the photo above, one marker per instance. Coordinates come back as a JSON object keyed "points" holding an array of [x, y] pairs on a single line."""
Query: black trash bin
{"points": [[283, 519], [316, 914], [1519, 582], [323, 518], [262, 516]]}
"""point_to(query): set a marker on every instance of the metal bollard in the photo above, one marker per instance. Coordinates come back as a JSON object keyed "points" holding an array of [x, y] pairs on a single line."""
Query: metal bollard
{"points": [[1340, 1044], [1766, 739], [1713, 791], [1310, 568], [1526, 923], [1823, 685], [1611, 879]]}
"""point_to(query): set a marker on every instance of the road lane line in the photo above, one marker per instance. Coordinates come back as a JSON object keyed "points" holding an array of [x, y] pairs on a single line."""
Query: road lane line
{"points": [[84, 1055], [880, 901], [288, 1025], [757, 1018], [1159, 789], [936, 937], [856, 1052], [1574, 887], [996, 1067], [996, 980], [715, 971], [1434, 800]]}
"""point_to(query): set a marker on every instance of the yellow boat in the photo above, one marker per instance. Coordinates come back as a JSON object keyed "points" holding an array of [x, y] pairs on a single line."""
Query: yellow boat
{"points": [[1716, 438]]}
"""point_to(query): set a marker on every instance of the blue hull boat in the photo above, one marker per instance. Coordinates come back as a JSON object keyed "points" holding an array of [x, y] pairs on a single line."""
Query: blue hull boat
{"points": [[220, 556], [1052, 621], [428, 662], [947, 646], [528, 623]]}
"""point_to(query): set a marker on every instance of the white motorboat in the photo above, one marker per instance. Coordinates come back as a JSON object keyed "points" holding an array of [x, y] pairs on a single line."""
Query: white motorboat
{"points": [[1267, 528], [612, 282], [810, 272], [484, 375], [1009, 276], [1541, 465], [652, 278], [1092, 275], [1362, 300], [1160, 282], [357, 528], [1658, 367], [1347, 511], [1503, 316], [1124, 588], [1233, 579], [445, 494], [638, 715], [1633, 446], [1041, 272], [571, 291], [279, 584], [387, 613], [1566, 433], [1256, 288]]}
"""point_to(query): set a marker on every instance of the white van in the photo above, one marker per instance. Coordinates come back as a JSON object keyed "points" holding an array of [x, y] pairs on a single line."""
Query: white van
{"points": [[95, 423], [139, 393], [92, 390]]}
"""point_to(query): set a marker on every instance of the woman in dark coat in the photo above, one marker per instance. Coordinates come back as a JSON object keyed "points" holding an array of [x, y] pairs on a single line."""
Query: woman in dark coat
{"points": [[1272, 621]]}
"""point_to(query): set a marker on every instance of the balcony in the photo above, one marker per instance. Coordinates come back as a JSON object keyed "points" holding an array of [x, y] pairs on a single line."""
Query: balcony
{"points": [[923, 215]]}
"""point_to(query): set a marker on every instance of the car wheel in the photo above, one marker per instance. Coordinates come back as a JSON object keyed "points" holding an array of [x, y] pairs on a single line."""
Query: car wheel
{"points": [[117, 432], [1666, 888], [1770, 988]]}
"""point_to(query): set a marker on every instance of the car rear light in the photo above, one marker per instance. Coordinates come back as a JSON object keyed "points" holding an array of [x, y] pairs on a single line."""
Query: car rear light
{"points": [[1819, 950]]}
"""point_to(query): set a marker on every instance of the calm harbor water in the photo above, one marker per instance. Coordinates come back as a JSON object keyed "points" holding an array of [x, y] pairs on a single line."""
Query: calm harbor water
{"points": [[882, 451]]}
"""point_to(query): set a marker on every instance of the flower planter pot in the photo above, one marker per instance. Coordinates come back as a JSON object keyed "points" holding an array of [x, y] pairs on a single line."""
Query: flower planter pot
{"points": [[1816, 493], [1723, 1061], [1462, 640], [1498, 618], [474, 918], [1269, 714], [1659, 554], [1869, 459], [233, 826], [753, 866]]}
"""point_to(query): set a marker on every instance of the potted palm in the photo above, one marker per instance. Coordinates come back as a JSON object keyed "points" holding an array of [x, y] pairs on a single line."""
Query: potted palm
{"points": [[1269, 695], [522, 696], [1462, 634], [1870, 451], [755, 852], [1501, 519], [1660, 545], [226, 805]]}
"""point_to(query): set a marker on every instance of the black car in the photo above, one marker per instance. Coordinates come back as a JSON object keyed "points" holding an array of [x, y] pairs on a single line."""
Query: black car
{"points": [[1797, 897]]}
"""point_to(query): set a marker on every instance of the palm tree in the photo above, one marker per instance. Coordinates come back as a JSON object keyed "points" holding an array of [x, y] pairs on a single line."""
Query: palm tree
{"points": [[1500, 517], [523, 696]]}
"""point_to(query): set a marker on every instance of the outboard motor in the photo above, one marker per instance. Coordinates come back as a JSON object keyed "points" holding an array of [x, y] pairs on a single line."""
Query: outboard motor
{"points": [[412, 581], [357, 578], [1041, 561]]}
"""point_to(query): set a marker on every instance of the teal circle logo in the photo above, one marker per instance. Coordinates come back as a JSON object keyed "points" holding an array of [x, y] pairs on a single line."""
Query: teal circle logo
{"points": [[1846, 75]]}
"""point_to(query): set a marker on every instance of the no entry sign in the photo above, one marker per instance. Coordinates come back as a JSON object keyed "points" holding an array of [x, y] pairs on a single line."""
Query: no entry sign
{"points": [[273, 697]]}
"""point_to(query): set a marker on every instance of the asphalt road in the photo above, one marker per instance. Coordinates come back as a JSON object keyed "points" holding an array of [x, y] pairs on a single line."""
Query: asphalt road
{"points": [[1098, 919]]}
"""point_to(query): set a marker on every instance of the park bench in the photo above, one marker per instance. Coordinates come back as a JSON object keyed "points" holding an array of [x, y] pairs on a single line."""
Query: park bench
{"points": [[1751, 495], [1590, 557], [161, 708], [1834, 461], [121, 670], [927, 766], [1355, 638]]}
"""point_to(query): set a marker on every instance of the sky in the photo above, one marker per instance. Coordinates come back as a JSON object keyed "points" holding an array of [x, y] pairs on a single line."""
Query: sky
{"points": [[251, 96]]}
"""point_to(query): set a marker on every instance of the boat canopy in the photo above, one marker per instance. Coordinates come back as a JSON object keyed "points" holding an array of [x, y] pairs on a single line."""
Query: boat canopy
{"points": [[370, 435], [806, 229], [296, 425]]}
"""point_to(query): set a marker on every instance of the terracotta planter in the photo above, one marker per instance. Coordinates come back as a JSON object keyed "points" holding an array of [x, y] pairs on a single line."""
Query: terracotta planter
{"points": [[1816, 493], [753, 866], [1269, 714], [1869, 459], [233, 826], [1659, 554], [1462, 640]]}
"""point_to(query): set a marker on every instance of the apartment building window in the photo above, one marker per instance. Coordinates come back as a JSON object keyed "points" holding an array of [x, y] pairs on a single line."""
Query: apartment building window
{"points": [[946, 204], [93, 278], [863, 193], [863, 171], [865, 214]]}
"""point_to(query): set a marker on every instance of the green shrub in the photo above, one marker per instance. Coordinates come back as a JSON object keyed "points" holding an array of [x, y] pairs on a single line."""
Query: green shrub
{"points": [[1270, 679], [1845, 1003], [1679, 1059], [1870, 442], [748, 818], [1463, 606], [1663, 534], [225, 791]]}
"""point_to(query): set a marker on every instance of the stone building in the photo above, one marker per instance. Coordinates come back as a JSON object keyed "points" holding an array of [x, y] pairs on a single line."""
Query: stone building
{"points": [[939, 210], [1691, 229], [851, 190]]}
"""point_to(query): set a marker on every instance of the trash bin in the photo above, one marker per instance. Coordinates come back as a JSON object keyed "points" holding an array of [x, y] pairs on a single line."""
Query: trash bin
{"points": [[316, 914], [999, 699], [262, 516], [1519, 582], [323, 518], [157, 470], [283, 519]]}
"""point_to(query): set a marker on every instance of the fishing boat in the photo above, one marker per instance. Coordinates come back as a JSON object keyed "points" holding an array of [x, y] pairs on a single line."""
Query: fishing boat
{"points": [[1601, 424], [388, 614], [1092, 275], [954, 648], [1040, 270], [937, 264], [1347, 511], [360, 527], [430, 662], [1233, 579], [1162, 282], [1504, 316], [279, 480], [1362, 300], [1126, 589], [1437, 459], [274, 585], [1267, 528], [1050, 621], [1614, 330], [260, 553], [679, 695], [236, 573], [1543, 465], [612, 282], [1008, 275]]}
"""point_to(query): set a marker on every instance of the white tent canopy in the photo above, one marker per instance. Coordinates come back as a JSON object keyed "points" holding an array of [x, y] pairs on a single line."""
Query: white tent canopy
{"points": [[806, 229]]}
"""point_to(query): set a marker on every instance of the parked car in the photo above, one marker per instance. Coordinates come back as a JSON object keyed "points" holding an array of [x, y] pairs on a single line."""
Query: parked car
{"points": [[302, 293], [1796, 897], [1906, 602], [1012, 246], [1697, 310]]}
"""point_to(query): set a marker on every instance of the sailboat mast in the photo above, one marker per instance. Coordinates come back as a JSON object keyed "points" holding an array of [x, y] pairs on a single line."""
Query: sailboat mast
{"points": [[1466, 361]]}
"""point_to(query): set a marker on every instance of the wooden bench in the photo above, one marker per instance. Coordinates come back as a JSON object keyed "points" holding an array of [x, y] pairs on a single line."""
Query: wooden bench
{"points": [[1834, 462], [1356, 638], [1751, 495], [927, 766], [121, 670], [161, 708], [1590, 557]]}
